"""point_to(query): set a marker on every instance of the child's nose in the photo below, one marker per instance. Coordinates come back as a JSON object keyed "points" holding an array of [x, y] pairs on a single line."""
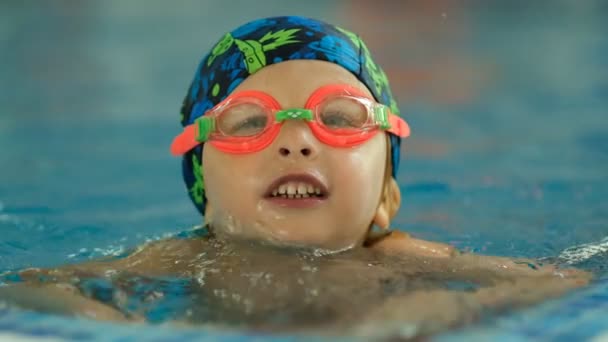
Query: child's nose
{"points": [[285, 151], [296, 140]]}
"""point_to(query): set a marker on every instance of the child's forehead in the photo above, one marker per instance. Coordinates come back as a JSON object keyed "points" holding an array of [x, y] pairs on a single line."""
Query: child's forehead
{"points": [[292, 82]]}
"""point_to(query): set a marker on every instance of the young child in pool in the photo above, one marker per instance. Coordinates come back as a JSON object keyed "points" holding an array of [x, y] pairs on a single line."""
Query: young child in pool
{"points": [[290, 150]]}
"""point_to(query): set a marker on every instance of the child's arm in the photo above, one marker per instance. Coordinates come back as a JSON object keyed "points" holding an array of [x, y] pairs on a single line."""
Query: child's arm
{"points": [[505, 284], [436, 310], [55, 290], [61, 299], [399, 243], [152, 259]]}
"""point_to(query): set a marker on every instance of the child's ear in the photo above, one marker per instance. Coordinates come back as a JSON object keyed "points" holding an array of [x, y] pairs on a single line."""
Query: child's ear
{"points": [[389, 204]]}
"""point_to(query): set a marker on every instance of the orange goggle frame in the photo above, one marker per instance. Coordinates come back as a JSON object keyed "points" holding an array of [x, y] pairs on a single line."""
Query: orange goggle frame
{"points": [[205, 128]]}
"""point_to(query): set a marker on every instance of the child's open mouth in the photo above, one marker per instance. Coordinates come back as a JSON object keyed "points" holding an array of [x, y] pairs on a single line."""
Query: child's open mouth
{"points": [[297, 190]]}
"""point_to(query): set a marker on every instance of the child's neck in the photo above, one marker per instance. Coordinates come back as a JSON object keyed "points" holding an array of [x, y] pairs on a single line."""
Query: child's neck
{"points": [[220, 236]]}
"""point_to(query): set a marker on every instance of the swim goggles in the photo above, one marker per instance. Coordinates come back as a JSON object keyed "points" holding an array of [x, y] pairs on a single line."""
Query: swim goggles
{"points": [[248, 121]]}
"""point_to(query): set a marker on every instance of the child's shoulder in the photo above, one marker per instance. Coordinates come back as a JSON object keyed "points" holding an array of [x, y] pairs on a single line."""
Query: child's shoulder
{"points": [[398, 242], [161, 257]]}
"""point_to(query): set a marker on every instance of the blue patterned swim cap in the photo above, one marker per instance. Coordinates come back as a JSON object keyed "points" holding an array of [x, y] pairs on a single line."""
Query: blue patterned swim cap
{"points": [[267, 41]]}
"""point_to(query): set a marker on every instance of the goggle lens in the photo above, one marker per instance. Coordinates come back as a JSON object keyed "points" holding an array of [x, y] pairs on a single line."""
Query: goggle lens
{"points": [[342, 115], [244, 117]]}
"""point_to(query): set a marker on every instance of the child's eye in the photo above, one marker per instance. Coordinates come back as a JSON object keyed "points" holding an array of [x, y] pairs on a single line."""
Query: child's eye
{"points": [[342, 112], [338, 120], [250, 126], [243, 120]]}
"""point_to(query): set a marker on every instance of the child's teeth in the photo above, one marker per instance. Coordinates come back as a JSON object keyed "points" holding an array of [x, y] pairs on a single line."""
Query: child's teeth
{"points": [[291, 189], [296, 190], [301, 188]]}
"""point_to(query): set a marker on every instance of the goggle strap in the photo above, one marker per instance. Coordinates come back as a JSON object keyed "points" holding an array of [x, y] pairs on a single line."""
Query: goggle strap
{"points": [[381, 114], [294, 114], [185, 141], [398, 126], [390, 122], [206, 126]]}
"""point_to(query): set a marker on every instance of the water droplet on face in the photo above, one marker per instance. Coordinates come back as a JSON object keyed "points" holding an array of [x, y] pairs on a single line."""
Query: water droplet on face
{"points": [[229, 224]]}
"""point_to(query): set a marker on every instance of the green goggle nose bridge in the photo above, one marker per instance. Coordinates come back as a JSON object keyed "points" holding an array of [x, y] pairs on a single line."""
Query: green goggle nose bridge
{"points": [[206, 125], [294, 114]]}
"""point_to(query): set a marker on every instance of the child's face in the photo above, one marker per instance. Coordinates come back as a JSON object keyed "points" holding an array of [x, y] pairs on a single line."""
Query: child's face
{"points": [[237, 185]]}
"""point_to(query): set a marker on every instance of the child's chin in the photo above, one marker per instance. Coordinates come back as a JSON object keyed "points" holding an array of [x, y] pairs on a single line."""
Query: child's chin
{"points": [[321, 240]]}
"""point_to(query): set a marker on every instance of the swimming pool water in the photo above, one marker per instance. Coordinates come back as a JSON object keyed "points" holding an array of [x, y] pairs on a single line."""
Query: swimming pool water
{"points": [[509, 152]]}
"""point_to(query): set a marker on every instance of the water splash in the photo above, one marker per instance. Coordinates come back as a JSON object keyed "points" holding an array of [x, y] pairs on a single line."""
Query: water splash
{"points": [[577, 254]]}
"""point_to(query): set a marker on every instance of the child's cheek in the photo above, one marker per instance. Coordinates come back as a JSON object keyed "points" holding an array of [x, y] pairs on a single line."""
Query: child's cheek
{"points": [[363, 167], [358, 174], [357, 179], [228, 183]]}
